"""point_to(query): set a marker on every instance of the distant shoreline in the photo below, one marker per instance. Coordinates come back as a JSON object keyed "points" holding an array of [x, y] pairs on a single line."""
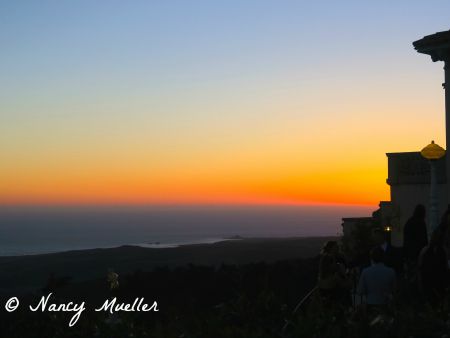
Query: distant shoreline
{"points": [[162, 245], [31, 231], [151, 245], [29, 272]]}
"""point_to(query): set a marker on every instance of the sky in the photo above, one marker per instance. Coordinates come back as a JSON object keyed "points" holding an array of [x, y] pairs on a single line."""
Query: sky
{"points": [[213, 102]]}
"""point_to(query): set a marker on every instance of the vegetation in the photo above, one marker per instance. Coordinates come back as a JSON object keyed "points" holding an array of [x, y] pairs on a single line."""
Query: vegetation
{"points": [[252, 300]]}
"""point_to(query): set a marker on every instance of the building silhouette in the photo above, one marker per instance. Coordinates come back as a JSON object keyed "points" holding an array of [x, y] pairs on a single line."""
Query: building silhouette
{"points": [[408, 172]]}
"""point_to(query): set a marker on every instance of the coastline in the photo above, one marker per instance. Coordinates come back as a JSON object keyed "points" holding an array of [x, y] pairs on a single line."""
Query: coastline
{"points": [[150, 245], [162, 245], [31, 272]]}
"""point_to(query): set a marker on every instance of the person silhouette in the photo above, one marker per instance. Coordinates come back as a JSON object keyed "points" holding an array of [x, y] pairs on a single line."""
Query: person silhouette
{"points": [[433, 268], [391, 255], [415, 236], [377, 282], [333, 283]]}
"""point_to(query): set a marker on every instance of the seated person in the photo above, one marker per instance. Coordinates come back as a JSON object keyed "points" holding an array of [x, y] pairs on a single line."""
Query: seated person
{"points": [[377, 282]]}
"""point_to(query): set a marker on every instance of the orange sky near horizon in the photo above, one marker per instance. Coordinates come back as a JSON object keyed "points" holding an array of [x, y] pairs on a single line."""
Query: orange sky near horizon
{"points": [[281, 157], [215, 105]]}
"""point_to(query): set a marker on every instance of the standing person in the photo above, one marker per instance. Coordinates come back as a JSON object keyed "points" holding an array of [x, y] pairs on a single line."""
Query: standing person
{"points": [[391, 255], [444, 226], [377, 282], [333, 283], [433, 268], [415, 236]]}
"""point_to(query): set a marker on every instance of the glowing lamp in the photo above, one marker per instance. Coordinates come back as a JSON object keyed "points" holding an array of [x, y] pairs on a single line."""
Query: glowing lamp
{"points": [[432, 151]]}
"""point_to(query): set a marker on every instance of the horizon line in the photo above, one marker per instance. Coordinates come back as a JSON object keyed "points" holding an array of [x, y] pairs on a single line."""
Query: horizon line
{"points": [[189, 205]]}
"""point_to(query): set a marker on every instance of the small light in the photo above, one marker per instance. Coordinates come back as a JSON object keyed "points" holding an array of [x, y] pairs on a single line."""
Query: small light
{"points": [[387, 229]]}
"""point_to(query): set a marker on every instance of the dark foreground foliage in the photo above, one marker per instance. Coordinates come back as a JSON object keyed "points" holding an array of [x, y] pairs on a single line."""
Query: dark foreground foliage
{"points": [[194, 301], [253, 300]]}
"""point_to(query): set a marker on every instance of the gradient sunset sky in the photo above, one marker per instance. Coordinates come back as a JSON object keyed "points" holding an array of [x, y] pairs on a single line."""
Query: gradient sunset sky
{"points": [[211, 102]]}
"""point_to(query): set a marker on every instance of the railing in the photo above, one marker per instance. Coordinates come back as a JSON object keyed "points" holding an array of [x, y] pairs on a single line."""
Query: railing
{"points": [[299, 305]]}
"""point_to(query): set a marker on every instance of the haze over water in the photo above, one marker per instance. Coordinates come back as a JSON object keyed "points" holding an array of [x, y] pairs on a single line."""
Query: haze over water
{"points": [[33, 230]]}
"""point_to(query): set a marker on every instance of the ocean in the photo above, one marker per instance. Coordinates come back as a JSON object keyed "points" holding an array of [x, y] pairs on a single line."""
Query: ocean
{"points": [[37, 230]]}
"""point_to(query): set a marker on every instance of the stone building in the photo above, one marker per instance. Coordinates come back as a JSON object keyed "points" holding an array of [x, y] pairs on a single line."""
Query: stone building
{"points": [[409, 173], [409, 182]]}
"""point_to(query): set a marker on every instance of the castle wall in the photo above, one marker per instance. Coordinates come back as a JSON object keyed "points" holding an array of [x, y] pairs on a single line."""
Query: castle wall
{"points": [[409, 181], [404, 198]]}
